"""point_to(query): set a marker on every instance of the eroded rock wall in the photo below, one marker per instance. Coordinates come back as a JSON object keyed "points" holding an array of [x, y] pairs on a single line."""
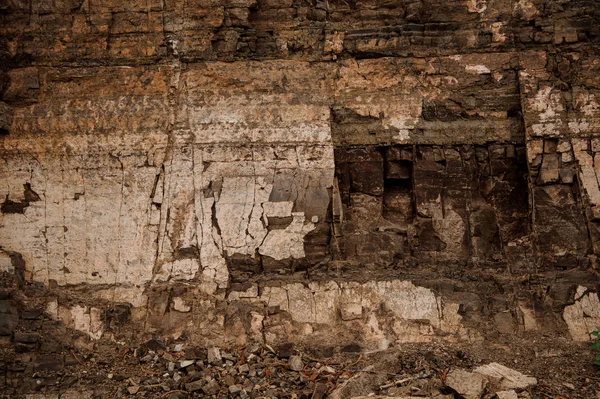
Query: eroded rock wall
{"points": [[372, 172]]}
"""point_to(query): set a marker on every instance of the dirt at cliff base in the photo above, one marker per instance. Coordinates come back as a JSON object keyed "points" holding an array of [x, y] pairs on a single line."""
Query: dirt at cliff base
{"points": [[106, 369]]}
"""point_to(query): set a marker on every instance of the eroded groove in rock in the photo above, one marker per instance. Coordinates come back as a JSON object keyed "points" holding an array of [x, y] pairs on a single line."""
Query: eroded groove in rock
{"points": [[414, 205]]}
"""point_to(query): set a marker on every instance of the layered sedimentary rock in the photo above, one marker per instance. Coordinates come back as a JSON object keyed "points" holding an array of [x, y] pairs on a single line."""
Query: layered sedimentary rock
{"points": [[254, 170]]}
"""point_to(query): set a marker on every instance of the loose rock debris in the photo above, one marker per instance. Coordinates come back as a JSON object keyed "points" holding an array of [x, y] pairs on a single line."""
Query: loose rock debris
{"points": [[156, 370]]}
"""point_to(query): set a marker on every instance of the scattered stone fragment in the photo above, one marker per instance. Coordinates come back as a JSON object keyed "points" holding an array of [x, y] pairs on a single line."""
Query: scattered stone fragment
{"points": [[320, 391], [234, 389], [244, 368], [285, 350], [133, 389], [504, 378], [507, 394], [145, 359], [214, 356], [154, 345], [211, 388], [569, 385], [469, 385], [327, 369], [186, 363], [195, 385], [253, 348], [296, 363]]}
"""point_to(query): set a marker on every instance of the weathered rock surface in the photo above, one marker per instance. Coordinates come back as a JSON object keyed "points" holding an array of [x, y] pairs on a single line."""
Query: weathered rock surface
{"points": [[364, 173], [466, 384], [583, 316], [504, 378]]}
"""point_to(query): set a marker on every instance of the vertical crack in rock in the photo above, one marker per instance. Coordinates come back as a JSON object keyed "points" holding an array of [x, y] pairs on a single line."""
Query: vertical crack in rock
{"points": [[119, 223]]}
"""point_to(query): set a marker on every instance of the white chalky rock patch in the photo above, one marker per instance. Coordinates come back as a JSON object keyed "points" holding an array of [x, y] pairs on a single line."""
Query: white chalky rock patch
{"points": [[6, 263], [327, 302], [548, 103], [87, 320], [180, 305], [402, 115], [242, 212], [478, 69], [289, 242]]}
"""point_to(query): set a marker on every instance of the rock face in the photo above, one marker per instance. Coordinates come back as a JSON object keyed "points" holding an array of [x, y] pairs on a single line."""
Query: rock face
{"points": [[258, 170]]}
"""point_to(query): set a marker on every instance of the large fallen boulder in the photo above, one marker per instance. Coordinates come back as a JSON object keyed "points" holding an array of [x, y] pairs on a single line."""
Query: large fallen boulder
{"points": [[489, 378], [502, 378], [466, 384]]}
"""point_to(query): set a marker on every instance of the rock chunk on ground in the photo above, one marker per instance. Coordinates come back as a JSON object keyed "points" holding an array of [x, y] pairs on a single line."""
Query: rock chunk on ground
{"points": [[214, 356], [195, 385], [503, 378], [469, 385], [507, 395], [296, 363]]}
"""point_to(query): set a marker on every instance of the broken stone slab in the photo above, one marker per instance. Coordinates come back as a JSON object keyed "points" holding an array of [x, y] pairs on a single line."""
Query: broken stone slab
{"points": [[503, 378], [468, 385], [211, 388], [186, 363], [507, 395], [133, 389]]}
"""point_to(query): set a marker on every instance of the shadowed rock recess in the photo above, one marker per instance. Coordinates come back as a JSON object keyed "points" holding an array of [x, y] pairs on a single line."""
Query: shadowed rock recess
{"points": [[367, 173]]}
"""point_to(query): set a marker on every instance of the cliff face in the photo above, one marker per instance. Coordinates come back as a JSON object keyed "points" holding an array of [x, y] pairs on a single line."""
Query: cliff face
{"points": [[232, 170]]}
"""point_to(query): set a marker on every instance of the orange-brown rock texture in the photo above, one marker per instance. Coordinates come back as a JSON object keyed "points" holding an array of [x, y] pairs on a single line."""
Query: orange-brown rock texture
{"points": [[230, 171]]}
